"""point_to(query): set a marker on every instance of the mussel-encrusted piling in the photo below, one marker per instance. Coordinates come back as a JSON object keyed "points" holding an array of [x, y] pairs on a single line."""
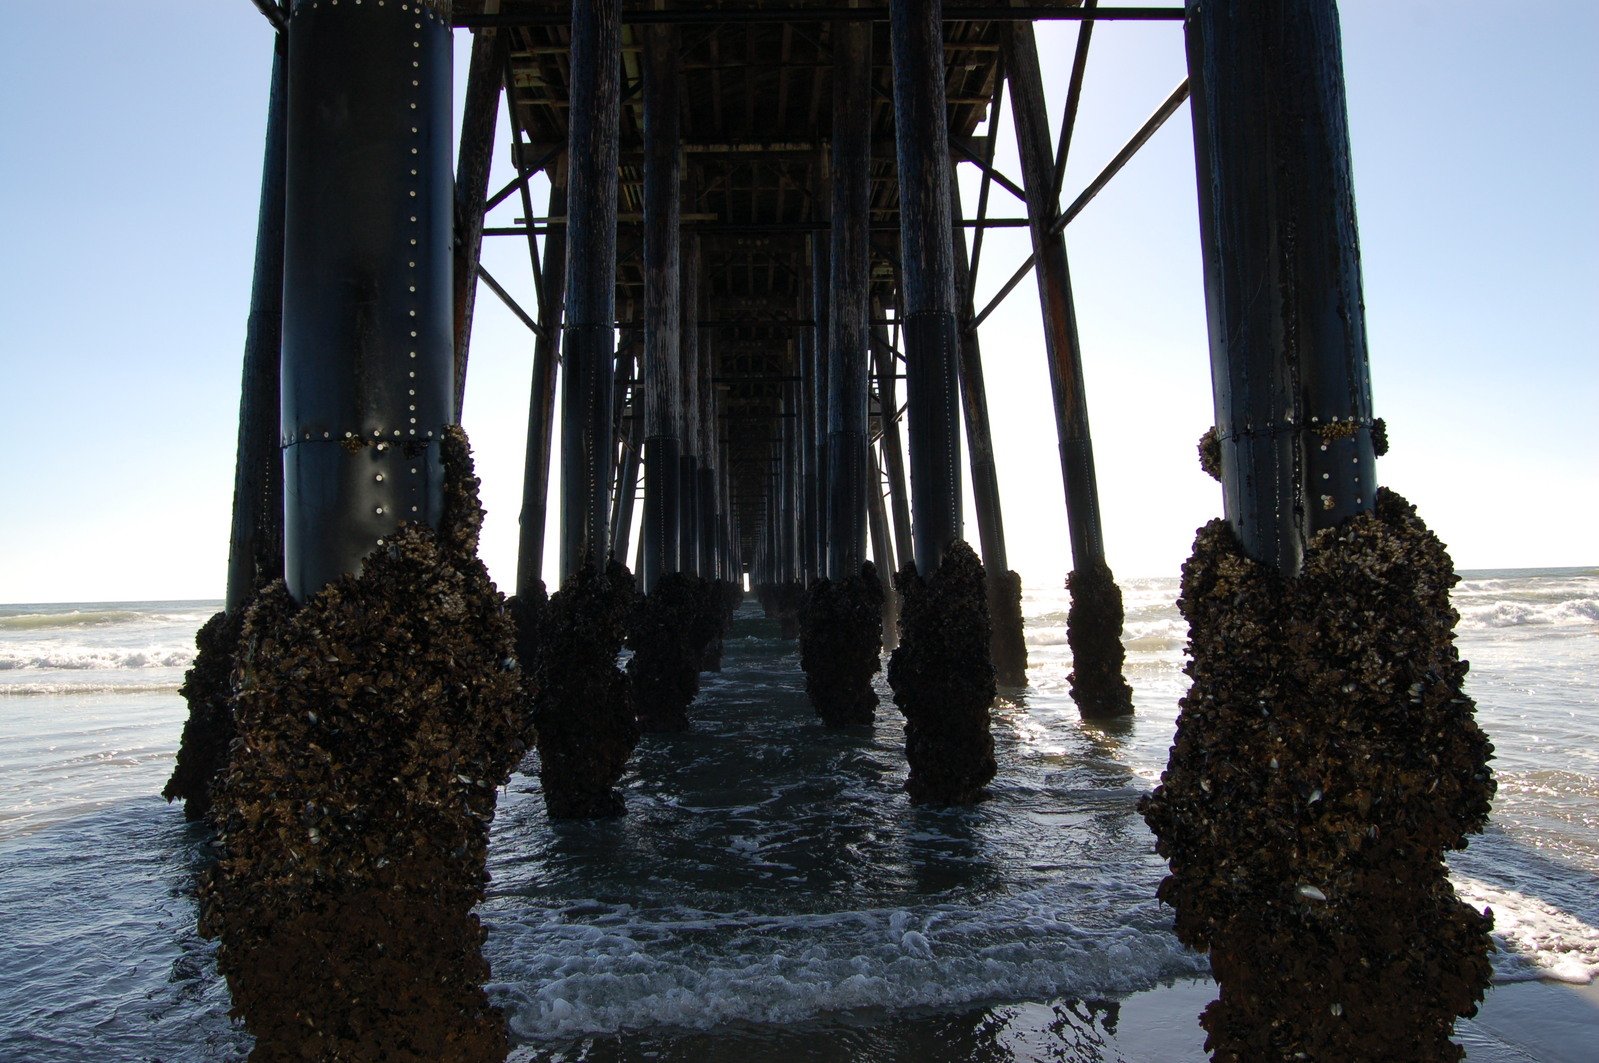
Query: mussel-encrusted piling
{"points": [[715, 613], [374, 724], [1093, 630], [1008, 646], [1326, 759], [943, 681], [668, 632], [207, 733], [583, 705], [782, 602], [841, 645]]}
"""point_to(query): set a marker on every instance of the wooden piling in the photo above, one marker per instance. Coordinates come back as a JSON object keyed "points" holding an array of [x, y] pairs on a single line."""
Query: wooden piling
{"points": [[941, 674], [927, 288], [1008, 645], [1094, 623], [479, 113], [893, 448], [848, 336], [589, 345], [541, 401], [691, 432], [663, 389]]}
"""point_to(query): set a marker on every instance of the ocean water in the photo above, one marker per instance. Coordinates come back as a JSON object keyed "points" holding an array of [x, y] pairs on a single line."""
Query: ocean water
{"points": [[770, 892]]}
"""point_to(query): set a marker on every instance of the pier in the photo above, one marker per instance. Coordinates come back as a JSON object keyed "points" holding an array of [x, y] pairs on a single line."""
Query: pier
{"points": [[754, 308]]}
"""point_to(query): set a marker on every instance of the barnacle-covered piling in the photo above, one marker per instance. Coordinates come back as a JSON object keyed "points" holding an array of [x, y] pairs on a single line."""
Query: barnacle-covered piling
{"points": [[1093, 630], [583, 708], [1008, 645], [374, 724], [1326, 759], [668, 633], [782, 602], [943, 681], [207, 733], [841, 644]]}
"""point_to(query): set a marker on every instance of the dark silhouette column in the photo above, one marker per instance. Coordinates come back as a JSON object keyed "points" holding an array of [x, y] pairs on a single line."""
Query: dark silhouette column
{"points": [[941, 674]]}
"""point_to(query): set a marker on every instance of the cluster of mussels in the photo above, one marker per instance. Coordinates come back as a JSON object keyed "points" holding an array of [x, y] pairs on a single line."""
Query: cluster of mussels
{"points": [[208, 732], [1009, 646], [671, 628], [943, 680], [841, 642], [374, 724], [583, 705], [1326, 759], [782, 602], [1094, 633]]}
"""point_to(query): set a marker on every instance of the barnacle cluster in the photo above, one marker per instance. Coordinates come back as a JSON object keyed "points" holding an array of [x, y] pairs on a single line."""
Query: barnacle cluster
{"points": [[207, 733], [1326, 758], [374, 724], [1008, 646], [1210, 453], [1094, 632], [841, 644], [583, 704], [943, 680]]}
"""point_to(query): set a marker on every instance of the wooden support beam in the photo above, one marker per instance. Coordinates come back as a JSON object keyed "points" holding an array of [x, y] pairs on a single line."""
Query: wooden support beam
{"points": [[974, 402], [255, 544], [928, 300], [479, 110], [663, 389], [1055, 295], [893, 446], [692, 427], [1289, 364], [849, 338], [589, 345], [541, 405]]}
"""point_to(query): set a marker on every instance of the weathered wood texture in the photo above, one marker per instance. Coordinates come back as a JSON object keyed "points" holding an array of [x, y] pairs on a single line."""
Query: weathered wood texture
{"points": [[663, 388], [849, 335], [541, 402], [589, 346], [927, 284]]}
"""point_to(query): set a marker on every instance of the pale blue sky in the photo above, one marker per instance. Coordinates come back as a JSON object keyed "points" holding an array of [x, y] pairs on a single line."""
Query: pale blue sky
{"points": [[131, 139]]}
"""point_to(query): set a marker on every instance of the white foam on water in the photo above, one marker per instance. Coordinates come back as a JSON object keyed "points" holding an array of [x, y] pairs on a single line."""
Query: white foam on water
{"points": [[1536, 939], [682, 968], [46, 657]]}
